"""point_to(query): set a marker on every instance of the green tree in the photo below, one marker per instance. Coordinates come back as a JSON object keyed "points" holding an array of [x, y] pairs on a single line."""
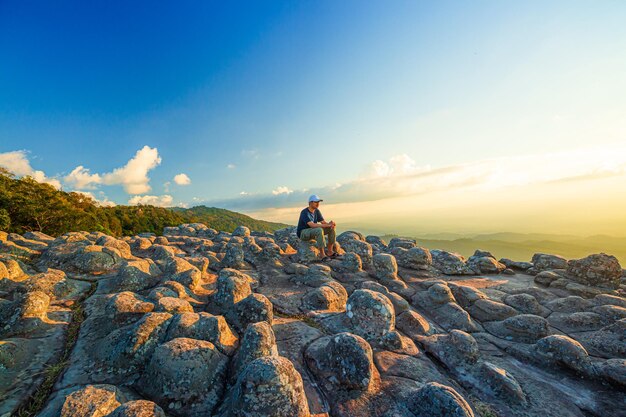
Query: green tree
{"points": [[5, 220]]}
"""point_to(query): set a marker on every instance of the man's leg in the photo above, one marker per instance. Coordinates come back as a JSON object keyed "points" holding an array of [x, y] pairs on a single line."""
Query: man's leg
{"points": [[314, 233], [331, 239], [321, 241]]}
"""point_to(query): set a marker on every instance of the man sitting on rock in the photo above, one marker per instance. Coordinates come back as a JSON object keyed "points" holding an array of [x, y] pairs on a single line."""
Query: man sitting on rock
{"points": [[312, 225]]}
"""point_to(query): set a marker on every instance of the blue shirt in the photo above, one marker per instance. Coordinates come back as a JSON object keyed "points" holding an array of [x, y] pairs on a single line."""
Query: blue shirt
{"points": [[306, 216]]}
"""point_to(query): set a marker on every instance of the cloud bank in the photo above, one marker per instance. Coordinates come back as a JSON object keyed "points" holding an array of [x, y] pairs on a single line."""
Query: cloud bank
{"points": [[17, 162]]}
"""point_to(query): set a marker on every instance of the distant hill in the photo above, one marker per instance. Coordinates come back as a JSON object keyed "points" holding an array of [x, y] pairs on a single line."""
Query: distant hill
{"points": [[28, 205], [222, 219], [521, 247]]}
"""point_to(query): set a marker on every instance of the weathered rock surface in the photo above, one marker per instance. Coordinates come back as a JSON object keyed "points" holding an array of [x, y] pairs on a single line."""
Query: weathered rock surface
{"points": [[201, 322]]}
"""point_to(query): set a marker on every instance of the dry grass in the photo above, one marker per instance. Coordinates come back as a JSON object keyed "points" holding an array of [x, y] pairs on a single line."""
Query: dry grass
{"points": [[37, 400]]}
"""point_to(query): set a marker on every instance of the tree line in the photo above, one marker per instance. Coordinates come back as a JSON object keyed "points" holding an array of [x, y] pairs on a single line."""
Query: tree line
{"points": [[27, 205]]}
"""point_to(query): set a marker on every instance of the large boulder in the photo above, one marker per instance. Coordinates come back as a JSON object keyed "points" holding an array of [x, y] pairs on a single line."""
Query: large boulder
{"points": [[413, 258], [484, 263], [204, 326], [331, 296], [344, 359], [188, 375], [269, 387], [596, 270], [450, 263], [370, 314], [437, 400], [258, 341], [543, 261], [138, 408], [92, 401]]}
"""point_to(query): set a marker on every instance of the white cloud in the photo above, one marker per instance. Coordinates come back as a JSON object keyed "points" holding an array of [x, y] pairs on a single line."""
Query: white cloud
{"points": [[153, 200], [244, 193], [282, 190], [251, 153], [397, 165], [134, 175], [401, 177], [182, 179], [81, 179], [166, 186], [17, 163], [231, 166], [103, 201]]}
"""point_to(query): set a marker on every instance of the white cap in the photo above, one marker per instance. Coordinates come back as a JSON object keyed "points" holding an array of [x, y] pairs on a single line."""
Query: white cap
{"points": [[314, 197]]}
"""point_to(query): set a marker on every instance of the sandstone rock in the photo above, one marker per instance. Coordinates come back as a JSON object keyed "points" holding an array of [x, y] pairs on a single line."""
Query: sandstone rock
{"points": [[181, 271], [136, 275], [399, 303], [361, 248], [385, 266], [502, 383], [386, 270], [564, 351], [204, 326], [378, 244], [522, 266], [413, 324], [417, 258], [598, 269], [606, 299], [234, 257], [126, 306], [437, 400], [526, 304], [351, 262], [610, 313], [370, 314], [350, 235], [608, 342], [580, 321], [454, 349], [173, 305], [331, 296], [525, 328], [485, 263], [307, 251], [242, 231], [92, 401], [232, 287], [120, 245], [489, 310], [188, 375], [542, 261], [344, 359], [440, 293], [129, 347], [450, 263], [252, 309], [614, 370], [570, 304], [258, 341], [138, 408], [269, 387], [402, 242]]}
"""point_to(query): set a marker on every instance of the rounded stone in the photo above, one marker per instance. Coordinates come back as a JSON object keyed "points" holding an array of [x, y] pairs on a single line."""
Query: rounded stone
{"points": [[269, 387], [437, 400], [370, 314]]}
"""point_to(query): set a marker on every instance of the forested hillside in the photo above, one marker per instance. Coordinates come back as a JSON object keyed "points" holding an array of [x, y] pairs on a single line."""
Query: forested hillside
{"points": [[28, 205]]}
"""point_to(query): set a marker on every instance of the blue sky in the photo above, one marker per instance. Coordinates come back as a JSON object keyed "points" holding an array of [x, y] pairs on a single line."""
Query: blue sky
{"points": [[306, 96]]}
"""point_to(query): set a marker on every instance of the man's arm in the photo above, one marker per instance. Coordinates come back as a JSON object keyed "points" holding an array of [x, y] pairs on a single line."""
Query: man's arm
{"points": [[323, 224]]}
